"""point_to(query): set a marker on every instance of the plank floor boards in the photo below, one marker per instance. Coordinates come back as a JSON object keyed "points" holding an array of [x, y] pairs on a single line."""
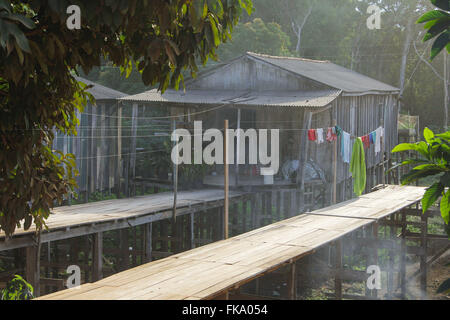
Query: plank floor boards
{"points": [[110, 210], [210, 270]]}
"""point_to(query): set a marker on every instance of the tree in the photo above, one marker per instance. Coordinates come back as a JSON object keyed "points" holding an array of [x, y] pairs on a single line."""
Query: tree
{"points": [[256, 36], [38, 55], [438, 25], [298, 21], [433, 161]]}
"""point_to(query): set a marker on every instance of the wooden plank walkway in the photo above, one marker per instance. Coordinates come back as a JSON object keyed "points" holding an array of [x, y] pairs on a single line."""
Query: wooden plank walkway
{"points": [[211, 270], [82, 219]]}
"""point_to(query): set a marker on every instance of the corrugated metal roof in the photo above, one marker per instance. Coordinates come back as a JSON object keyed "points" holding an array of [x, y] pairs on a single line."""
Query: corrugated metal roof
{"points": [[250, 98], [101, 92], [327, 73]]}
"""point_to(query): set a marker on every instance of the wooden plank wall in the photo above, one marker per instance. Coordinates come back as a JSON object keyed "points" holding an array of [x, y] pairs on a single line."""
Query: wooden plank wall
{"points": [[97, 149]]}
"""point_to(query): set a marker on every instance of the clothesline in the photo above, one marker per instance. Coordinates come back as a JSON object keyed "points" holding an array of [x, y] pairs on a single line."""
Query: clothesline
{"points": [[332, 134]]}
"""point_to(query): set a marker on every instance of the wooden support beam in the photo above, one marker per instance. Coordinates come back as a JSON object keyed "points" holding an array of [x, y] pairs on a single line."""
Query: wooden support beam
{"points": [[93, 149], [391, 260], [338, 267], [292, 282], [226, 177], [175, 177], [383, 176], [423, 257], [375, 252], [303, 150], [97, 257], [118, 175], [124, 252], [101, 149], [238, 139], [148, 233], [191, 229], [32, 269], [334, 123], [403, 256], [132, 170]]}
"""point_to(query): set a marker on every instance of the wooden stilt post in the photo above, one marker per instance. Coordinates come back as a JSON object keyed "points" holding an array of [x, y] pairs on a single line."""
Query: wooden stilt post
{"points": [[334, 166], [303, 155], [383, 176], [175, 243], [403, 257], [132, 170], [338, 271], [124, 252], [33, 268], [375, 251], [175, 178], [423, 256], [292, 282], [226, 177], [148, 241], [118, 175], [191, 229], [253, 211], [93, 146], [392, 234], [238, 153], [97, 256]]}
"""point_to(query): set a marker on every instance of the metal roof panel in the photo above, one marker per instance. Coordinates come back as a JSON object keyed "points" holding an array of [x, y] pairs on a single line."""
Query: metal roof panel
{"points": [[319, 98]]}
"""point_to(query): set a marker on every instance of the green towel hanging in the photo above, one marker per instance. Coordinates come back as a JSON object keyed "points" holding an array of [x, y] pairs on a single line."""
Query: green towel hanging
{"points": [[358, 167]]}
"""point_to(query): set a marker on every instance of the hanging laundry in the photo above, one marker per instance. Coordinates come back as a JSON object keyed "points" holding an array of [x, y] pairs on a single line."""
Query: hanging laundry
{"points": [[345, 147], [312, 135], [319, 134], [331, 134], [378, 135], [358, 167], [372, 137], [366, 141], [338, 130]]}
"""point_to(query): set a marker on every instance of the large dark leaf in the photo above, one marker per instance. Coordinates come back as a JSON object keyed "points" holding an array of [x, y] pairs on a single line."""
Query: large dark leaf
{"points": [[431, 195], [442, 4], [432, 15], [440, 44], [439, 26]]}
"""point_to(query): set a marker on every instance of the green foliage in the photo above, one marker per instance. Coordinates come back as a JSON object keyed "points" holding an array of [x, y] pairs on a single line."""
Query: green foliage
{"points": [[38, 55], [17, 289], [256, 36], [437, 22], [434, 161]]}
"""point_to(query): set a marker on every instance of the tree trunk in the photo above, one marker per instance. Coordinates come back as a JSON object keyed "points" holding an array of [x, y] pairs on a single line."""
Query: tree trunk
{"points": [[299, 39], [298, 28], [405, 52]]}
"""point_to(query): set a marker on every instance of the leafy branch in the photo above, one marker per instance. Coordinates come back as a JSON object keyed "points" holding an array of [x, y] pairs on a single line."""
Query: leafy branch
{"points": [[437, 22]]}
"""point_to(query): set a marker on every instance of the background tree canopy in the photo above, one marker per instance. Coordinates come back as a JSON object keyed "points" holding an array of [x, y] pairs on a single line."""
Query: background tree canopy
{"points": [[38, 55], [337, 31]]}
